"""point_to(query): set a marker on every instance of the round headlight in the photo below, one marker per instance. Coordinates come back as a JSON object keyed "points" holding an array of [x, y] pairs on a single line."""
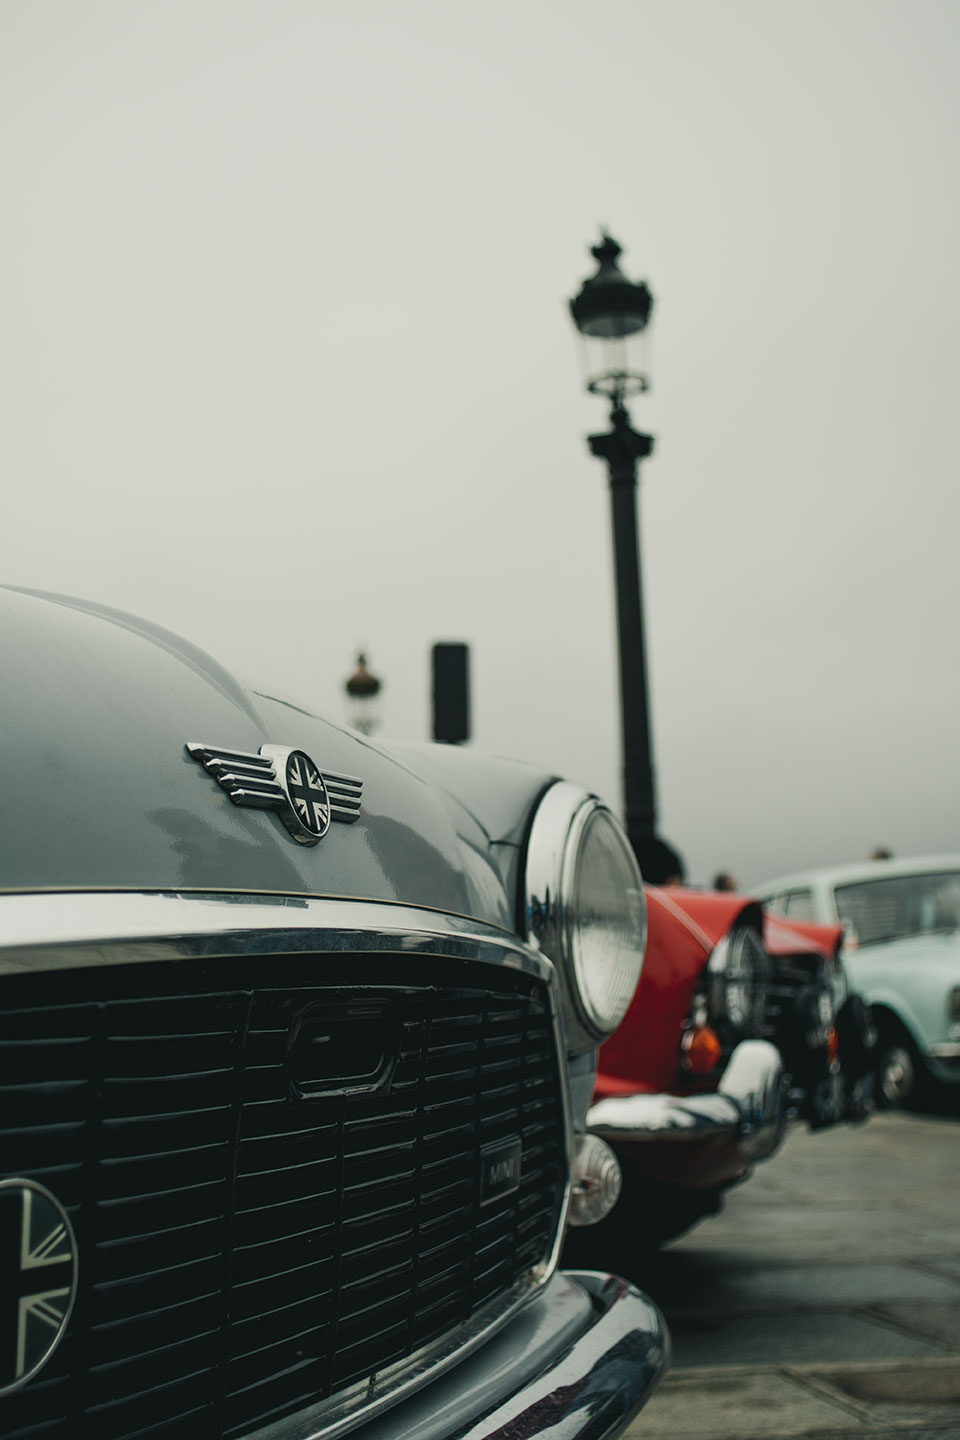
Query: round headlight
{"points": [[585, 910], [739, 971]]}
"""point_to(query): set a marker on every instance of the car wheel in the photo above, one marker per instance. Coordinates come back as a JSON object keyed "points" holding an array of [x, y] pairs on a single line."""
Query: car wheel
{"points": [[899, 1076]]}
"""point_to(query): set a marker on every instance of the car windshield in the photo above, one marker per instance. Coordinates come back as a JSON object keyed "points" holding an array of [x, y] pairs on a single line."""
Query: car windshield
{"points": [[899, 905]]}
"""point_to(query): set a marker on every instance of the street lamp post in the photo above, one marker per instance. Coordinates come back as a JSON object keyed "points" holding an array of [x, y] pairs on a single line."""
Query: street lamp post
{"points": [[363, 689], [611, 315]]}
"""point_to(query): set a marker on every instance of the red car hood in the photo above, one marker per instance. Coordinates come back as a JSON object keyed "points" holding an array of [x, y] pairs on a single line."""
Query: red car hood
{"points": [[793, 937], [683, 927]]}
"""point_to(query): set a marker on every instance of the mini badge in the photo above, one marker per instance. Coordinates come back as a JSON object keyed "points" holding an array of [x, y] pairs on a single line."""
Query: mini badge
{"points": [[288, 781], [501, 1164]]}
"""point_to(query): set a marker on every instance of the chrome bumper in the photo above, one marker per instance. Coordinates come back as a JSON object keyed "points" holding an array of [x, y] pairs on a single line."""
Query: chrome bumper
{"points": [[748, 1107], [579, 1362]]}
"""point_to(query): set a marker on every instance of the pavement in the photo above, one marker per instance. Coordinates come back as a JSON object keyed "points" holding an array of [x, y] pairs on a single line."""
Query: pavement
{"points": [[824, 1301]]}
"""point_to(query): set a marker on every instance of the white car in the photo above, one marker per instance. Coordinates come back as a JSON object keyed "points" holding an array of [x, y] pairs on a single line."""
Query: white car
{"points": [[902, 952]]}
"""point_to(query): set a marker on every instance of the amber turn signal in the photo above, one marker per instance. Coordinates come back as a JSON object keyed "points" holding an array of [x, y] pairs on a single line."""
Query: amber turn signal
{"points": [[700, 1050]]}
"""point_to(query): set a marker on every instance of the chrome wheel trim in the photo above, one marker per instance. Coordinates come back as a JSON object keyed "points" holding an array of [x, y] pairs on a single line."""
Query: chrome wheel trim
{"points": [[896, 1076]]}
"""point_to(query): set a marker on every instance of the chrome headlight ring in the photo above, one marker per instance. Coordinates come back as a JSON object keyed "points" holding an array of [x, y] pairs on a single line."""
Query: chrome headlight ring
{"points": [[585, 910], [738, 978]]}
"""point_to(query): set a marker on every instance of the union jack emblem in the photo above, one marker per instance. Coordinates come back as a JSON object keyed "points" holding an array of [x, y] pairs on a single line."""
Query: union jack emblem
{"points": [[38, 1279], [308, 793], [279, 778]]}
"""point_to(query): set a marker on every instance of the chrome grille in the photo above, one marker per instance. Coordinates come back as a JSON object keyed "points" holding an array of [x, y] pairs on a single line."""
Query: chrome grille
{"points": [[253, 1236]]}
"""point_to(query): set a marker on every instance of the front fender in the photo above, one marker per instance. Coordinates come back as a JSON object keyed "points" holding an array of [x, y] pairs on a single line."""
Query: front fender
{"points": [[924, 1017]]}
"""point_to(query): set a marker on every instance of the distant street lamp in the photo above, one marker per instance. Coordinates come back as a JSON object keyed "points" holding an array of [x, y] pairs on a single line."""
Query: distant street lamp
{"points": [[611, 315], [362, 689]]}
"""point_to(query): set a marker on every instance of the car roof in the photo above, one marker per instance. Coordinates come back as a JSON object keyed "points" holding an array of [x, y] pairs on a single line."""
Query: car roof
{"points": [[830, 875]]}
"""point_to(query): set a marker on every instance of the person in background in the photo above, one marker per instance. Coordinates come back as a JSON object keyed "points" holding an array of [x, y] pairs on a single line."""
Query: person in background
{"points": [[723, 880]]}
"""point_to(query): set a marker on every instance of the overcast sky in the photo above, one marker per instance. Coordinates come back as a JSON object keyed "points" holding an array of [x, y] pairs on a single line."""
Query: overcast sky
{"points": [[286, 365]]}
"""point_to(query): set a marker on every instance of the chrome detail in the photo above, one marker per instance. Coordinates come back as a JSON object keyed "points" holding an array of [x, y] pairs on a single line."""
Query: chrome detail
{"points": [[614, 1347], [328, 1053], [38, 1278], [581, 1078], [604, 1381], [74, 929], [947, 1050], [597, 1181], [560, 826], [896, 1076], [737, 976], [632, 1118], [391, 1385], [748, 1106], [287, 780], [754, 1080], [500, 1169]]}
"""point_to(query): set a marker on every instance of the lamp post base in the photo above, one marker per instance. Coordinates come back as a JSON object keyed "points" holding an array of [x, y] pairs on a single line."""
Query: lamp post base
{"points": [[660, 863]]}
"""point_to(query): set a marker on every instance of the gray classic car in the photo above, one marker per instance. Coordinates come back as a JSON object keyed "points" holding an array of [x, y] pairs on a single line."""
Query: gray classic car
{"points": [[297, 1038]]}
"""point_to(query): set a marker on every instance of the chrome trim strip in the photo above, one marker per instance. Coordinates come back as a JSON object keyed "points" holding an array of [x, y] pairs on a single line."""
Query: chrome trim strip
{"points": [[69, 930], [948, 1050], [344, 793], [748, 1105], [663, 897]]}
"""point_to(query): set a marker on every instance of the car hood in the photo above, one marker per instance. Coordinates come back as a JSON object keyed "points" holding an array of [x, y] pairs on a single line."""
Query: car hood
{"points": [[100, 793], [706, 914], [792, 937], [934, 954]]}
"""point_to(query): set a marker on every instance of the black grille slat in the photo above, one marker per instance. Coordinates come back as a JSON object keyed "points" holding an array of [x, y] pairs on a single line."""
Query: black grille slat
{"points": [[162, 1409], [247, 1250], [154, 1329], [275, 1290], [184, 1244]]}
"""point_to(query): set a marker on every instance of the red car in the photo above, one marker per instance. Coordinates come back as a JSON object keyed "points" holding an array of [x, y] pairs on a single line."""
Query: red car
{"points": [[739, 1023]]}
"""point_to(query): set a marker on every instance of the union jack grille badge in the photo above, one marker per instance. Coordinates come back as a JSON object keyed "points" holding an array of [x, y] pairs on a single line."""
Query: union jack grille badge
{"points": [[278, 778], [38, 1279]]}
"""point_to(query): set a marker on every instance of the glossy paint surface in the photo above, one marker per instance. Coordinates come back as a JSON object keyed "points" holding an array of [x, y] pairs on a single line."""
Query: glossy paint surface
{"points": [[796, 937], [914, 979], [683, 928], [99, 792], [642, 1055]]}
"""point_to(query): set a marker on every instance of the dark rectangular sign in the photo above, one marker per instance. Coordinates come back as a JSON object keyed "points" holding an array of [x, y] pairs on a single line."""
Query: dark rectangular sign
{"points": [[451, 692]]}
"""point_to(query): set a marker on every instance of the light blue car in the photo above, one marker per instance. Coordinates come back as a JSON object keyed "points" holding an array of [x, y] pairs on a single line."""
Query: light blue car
{"points": [[902, 952]]}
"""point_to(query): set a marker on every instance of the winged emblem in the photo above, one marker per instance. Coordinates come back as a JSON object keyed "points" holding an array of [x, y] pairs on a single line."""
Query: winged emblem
{"points": [[280, 778]]}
